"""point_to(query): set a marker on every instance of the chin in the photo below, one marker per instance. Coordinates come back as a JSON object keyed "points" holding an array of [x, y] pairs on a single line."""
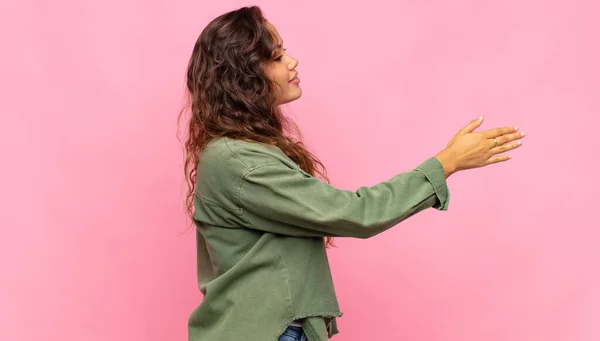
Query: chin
{"points": [[296, 94], [292, 97]]}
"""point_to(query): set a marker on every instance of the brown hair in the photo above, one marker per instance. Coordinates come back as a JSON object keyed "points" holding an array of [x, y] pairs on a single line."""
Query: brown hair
{"points": [[230, 95]]}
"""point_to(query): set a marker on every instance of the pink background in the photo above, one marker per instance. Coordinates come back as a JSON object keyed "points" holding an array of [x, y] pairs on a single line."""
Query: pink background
{"points": [[92, 227]]}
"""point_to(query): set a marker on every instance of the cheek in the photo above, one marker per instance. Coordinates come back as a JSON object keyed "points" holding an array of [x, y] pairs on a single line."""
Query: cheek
{"points": [[279, 74], [283, 77]]}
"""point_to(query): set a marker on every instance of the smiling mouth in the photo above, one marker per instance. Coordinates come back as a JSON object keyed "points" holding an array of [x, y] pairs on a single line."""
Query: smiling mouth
{"points": [[295, 78]]}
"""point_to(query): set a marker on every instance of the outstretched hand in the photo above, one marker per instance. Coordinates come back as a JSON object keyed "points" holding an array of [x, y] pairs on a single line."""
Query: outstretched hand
{"points": [[469, 149]]}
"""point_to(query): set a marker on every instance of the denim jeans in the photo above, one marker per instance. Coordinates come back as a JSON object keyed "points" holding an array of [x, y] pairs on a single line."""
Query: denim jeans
{"points": [[293, 334]]}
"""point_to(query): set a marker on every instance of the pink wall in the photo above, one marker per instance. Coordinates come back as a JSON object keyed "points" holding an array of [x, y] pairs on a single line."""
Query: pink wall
{"points": [[91, 171]]}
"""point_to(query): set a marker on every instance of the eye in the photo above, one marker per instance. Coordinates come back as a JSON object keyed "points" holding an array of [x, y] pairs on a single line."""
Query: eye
{"points": [[278, 58]]}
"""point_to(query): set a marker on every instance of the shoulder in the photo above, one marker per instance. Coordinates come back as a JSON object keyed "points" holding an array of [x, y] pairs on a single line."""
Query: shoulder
{"points": [[224, 164], [225, 155]]}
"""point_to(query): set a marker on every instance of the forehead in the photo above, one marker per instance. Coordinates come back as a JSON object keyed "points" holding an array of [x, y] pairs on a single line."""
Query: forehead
{"points": [[274, 33]]}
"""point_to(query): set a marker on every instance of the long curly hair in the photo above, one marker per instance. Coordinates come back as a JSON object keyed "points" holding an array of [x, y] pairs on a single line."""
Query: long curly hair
{"points": [[230, 96]]}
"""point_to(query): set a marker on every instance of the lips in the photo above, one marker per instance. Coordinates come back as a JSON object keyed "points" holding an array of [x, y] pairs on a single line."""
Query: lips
{"points": [[295, 78]]}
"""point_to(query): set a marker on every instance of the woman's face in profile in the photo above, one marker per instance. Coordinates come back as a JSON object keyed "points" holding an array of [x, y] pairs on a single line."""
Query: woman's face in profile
{"points": [[281, 70]]}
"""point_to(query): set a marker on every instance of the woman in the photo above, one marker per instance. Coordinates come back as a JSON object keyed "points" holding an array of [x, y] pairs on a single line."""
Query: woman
{"points": [[263, 218]]}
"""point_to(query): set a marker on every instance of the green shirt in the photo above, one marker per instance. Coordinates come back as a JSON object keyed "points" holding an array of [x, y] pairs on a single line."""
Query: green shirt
{"points": [[261, 220]]}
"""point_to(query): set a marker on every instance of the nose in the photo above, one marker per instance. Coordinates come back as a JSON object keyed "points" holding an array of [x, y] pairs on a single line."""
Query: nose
{"points": [[292, 64]]}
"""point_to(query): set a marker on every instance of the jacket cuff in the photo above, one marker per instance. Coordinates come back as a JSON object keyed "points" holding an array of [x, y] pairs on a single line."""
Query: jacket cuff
{"points": [[434, 172]]}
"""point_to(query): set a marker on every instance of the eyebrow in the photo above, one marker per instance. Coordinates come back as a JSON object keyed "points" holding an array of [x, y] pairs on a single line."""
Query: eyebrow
{"points": [[280, 45]]}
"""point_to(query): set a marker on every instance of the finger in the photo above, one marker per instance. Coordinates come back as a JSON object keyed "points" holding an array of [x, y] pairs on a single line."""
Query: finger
{"points": [[510, 137], [491, 133], [497, 159], [506, 147], [469, 128]]}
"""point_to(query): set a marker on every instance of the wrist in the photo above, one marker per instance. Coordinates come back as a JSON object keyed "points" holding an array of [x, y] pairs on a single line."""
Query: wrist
{"points": [[447, 162]]}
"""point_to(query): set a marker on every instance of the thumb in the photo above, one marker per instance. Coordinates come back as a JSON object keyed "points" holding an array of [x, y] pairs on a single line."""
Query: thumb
{"points": [[469, 128]]}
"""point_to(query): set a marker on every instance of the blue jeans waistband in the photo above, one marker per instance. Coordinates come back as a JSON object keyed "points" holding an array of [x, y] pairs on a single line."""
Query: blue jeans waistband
{"points": [[295, 332]]}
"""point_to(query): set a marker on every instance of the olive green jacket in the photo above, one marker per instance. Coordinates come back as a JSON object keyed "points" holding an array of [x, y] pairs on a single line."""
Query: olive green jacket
{"points": [[261, 220]]}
